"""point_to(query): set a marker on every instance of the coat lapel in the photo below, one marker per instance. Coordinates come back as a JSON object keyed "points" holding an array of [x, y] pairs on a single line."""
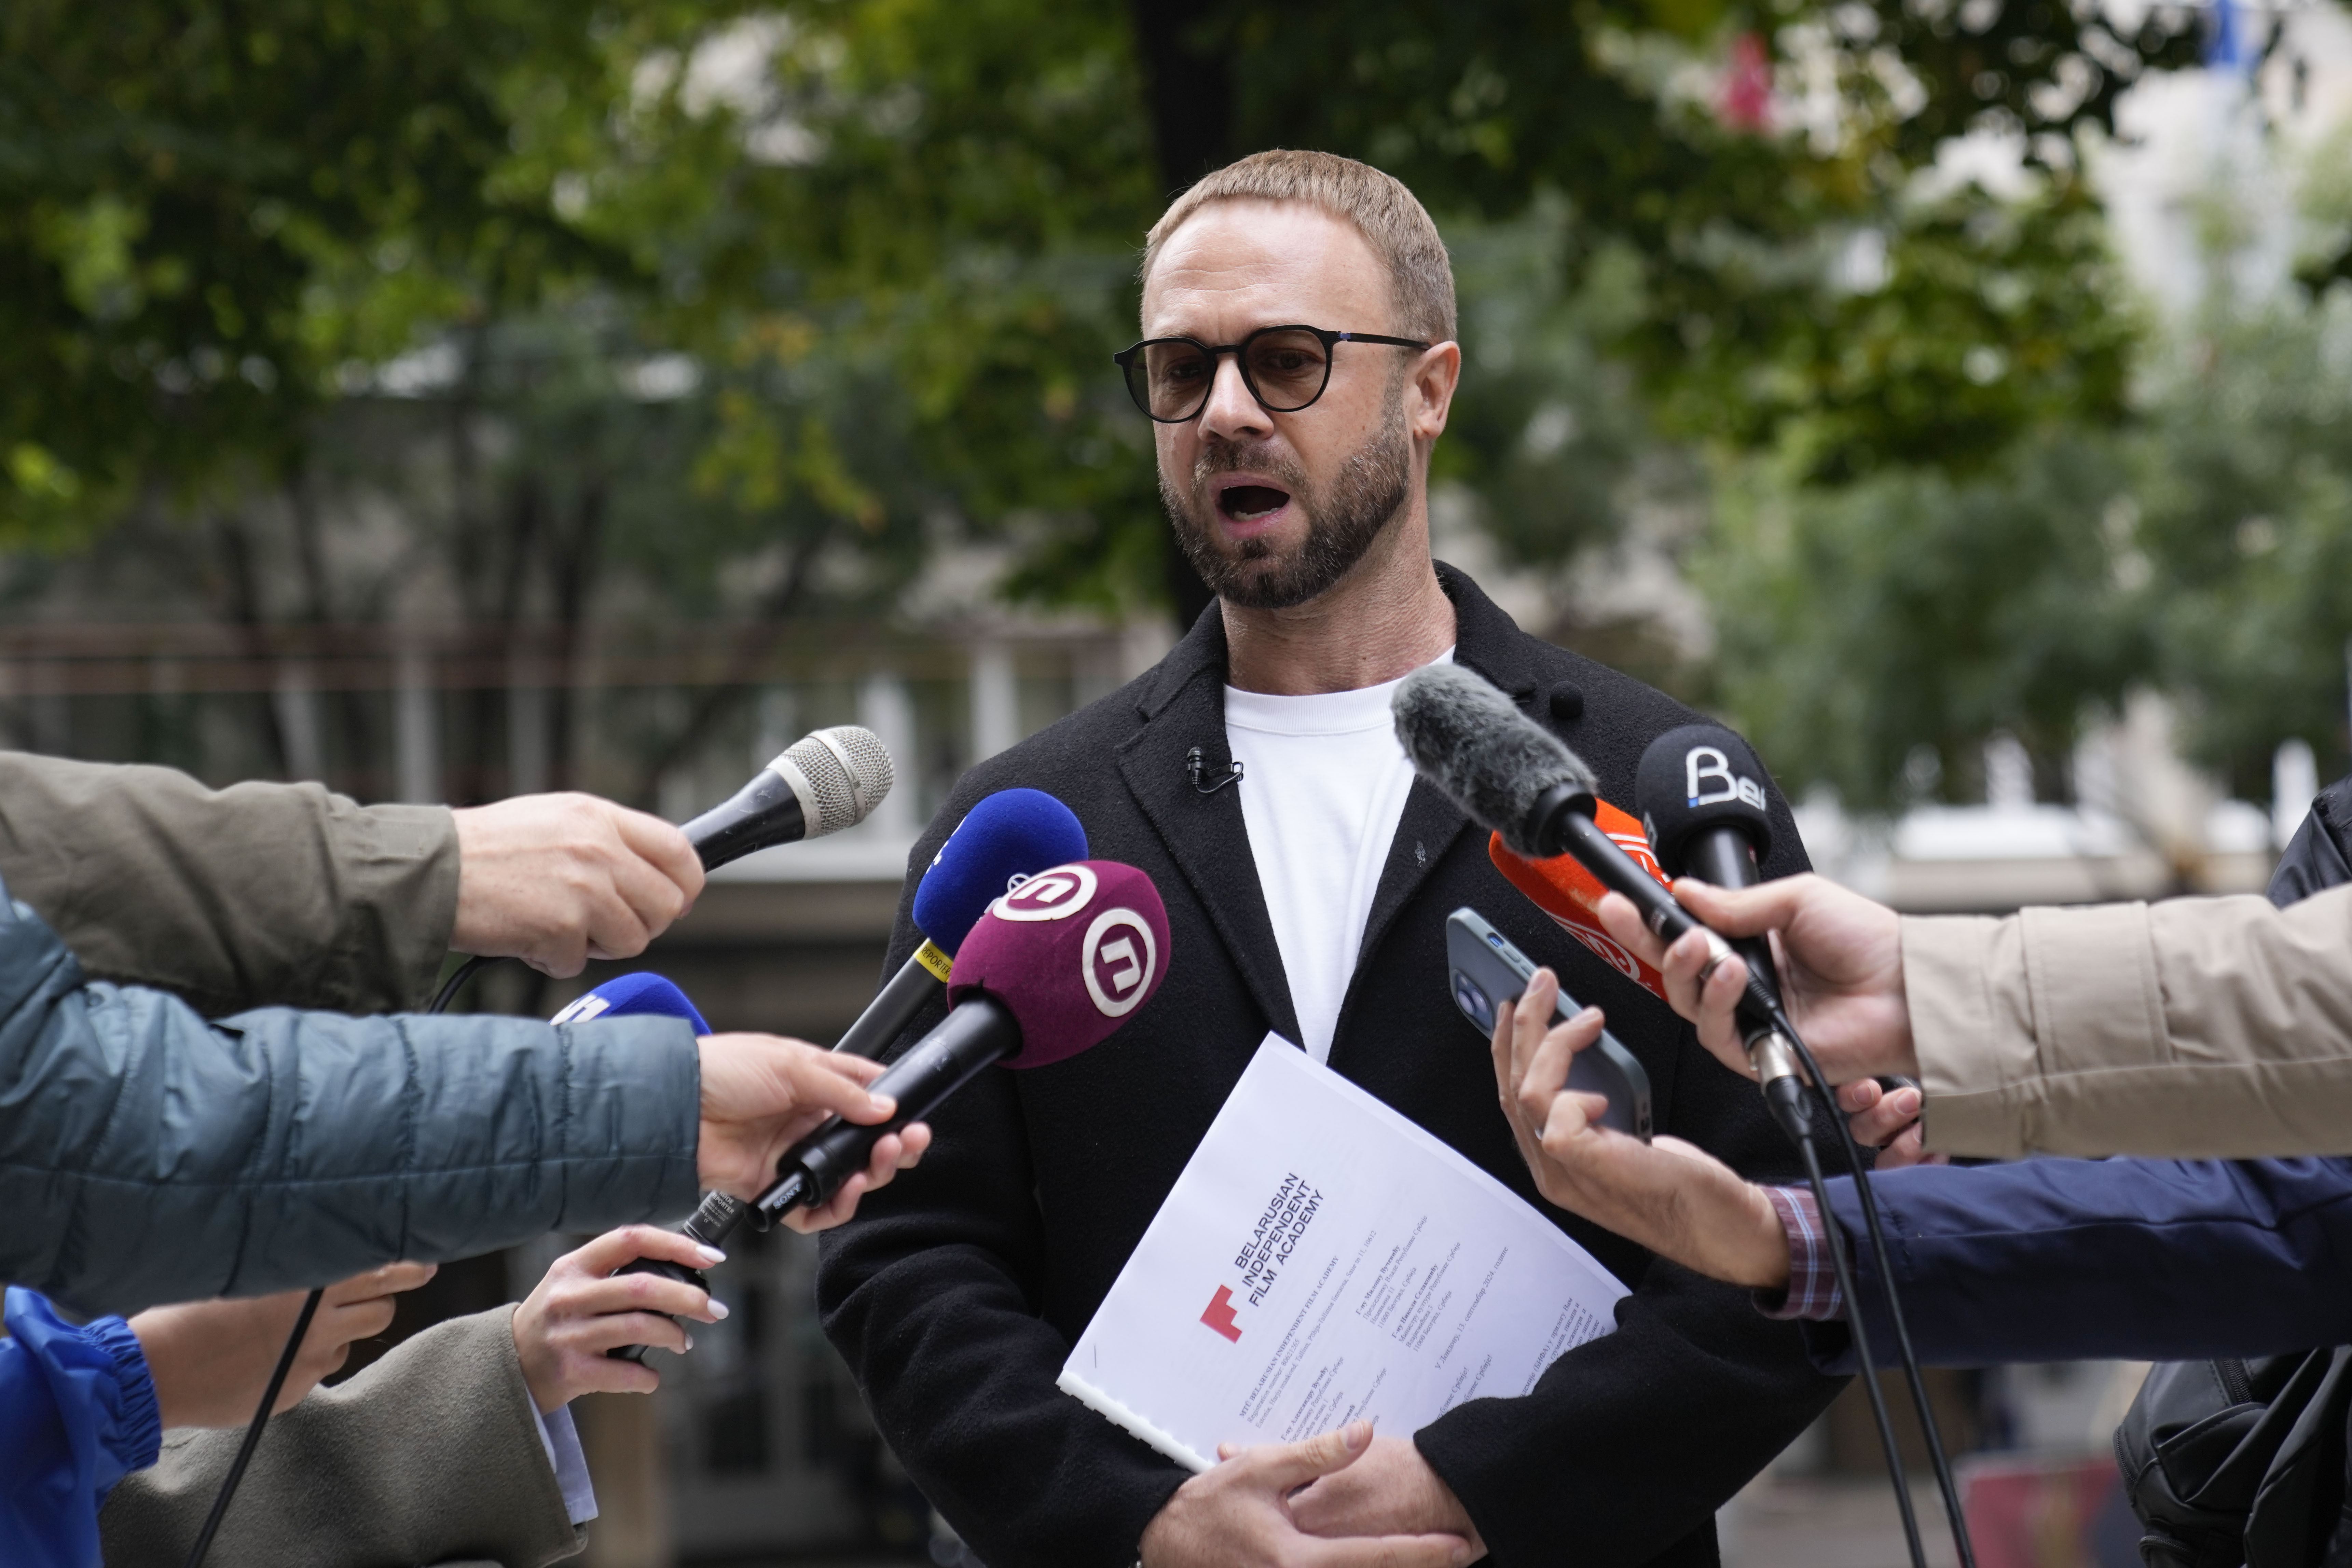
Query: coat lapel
{"points": [[1205, 834], [1485, 640]]}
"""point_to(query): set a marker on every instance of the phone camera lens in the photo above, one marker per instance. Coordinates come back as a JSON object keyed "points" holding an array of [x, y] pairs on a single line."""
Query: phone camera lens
{"points": [[1472, 1000]]}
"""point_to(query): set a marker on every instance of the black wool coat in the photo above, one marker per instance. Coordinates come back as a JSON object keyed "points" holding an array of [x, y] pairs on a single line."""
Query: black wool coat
{"points": [[956, 1292]]}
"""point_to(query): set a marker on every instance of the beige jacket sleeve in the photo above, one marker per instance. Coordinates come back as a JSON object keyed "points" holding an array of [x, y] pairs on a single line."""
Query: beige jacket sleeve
{"points": [[258, 894], [2193, 1029], [431, 1455]]}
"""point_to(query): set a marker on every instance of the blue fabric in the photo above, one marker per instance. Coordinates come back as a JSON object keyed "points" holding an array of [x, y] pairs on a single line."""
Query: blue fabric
{"points": [[638, 993], [2060, 1259], [76, 1414], [1013, 832], [147, 1154]]}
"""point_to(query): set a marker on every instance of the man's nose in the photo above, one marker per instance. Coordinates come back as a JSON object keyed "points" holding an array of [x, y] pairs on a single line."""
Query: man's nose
{"points": [[1232, 413]]}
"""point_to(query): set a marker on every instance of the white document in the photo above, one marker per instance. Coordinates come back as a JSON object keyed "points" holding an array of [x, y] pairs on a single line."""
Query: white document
{"points": [[1323, 1258]]}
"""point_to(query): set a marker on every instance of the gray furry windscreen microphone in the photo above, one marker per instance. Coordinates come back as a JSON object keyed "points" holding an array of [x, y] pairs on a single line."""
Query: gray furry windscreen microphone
{"points": [[1494, 762]]}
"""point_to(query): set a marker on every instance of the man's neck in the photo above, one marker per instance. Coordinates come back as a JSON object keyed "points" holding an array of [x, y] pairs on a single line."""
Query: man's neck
{"points": [[1386, 619]]}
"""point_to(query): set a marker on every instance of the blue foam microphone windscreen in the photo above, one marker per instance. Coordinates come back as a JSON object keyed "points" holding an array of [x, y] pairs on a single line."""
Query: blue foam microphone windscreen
{"points": [[1011, 833], [638, 993]]}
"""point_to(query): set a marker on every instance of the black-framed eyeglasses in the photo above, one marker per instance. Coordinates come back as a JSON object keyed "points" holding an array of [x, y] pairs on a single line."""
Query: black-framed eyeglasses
{"points": [[1286, 368]]}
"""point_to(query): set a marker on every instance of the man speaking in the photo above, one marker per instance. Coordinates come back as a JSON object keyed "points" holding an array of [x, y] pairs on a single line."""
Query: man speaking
{"points": [[1298, 364]]}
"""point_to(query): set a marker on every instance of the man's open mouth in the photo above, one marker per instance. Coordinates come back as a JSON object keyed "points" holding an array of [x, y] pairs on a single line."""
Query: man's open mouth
{"points": [[1247, 503]]}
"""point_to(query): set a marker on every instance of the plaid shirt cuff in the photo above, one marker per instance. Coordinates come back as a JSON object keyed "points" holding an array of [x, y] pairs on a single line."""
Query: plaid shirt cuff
{"points": [[1813, 1289]]}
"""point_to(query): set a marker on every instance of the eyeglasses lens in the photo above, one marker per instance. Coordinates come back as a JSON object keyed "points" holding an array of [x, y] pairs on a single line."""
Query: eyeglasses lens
{"points": [[1288, 369], [1171, 379]]}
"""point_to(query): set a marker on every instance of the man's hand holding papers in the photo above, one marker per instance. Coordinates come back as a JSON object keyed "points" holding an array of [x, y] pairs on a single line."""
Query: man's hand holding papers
{"points": [[1258, 1507]]}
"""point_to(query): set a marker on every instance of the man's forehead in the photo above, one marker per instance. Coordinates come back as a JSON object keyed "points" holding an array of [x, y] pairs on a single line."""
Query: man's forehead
{"points": [[1235, 265]]}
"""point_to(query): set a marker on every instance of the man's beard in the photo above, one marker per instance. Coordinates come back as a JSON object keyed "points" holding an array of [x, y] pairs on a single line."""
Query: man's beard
{"points": [[1342, 523]]}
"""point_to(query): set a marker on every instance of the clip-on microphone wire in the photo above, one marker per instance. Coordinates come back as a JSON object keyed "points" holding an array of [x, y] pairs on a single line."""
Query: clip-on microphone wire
{"points": [[1801, 1132]]}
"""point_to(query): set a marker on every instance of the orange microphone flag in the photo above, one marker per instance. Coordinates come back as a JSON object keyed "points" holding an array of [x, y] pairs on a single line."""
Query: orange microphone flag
{"points": [[1568, 894]]}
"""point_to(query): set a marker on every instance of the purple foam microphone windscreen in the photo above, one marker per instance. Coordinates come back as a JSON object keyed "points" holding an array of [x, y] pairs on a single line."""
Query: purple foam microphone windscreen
{"points": [[1072, 952]]}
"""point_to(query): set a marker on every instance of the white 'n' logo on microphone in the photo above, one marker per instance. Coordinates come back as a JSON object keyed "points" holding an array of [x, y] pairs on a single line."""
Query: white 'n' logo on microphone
{"points": [[1117, 961]]}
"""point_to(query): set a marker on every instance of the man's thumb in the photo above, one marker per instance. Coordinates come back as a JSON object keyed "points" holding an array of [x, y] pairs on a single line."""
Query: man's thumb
{"points": [[1297, 1463]]}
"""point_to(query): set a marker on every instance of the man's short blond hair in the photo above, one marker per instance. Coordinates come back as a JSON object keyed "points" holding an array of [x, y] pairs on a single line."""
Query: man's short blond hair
{"points": [[1392, 220]]}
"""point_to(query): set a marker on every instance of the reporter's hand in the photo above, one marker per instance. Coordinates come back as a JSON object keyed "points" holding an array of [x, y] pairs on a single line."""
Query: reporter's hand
{"points": [[580, 1310], [1887, 1121], [1670, 1196], [762, 1093], [1840, 961], [558, 879], [212, 1360], [1238, 1515]]}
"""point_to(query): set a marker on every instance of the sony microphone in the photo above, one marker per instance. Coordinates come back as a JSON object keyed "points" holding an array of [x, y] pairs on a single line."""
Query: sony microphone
{"points": [[1054, 967], [1510, 774], [820, 784], [1005, 838], [1700, 791]]}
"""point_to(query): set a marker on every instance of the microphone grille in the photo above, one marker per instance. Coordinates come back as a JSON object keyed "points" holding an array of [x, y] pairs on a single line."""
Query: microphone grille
{"points": [[848, 772]]}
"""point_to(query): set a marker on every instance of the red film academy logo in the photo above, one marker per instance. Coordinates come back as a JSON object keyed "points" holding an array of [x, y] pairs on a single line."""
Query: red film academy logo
{"points": [[1220, 1315]]}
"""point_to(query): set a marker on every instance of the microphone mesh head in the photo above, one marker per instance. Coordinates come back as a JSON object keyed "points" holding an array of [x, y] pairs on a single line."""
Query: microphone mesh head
{"points": [[846, 771], [1471, 741]]}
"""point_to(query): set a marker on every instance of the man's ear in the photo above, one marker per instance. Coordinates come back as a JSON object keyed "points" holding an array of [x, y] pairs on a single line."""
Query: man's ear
{"points": [[1430, 389]]}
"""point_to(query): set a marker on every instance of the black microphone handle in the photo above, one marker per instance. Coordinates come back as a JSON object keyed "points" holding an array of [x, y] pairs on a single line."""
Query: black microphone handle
{"points": [[764, 812], [1723, 856], [1566, 830], [977, 1031], [896, 1005]]}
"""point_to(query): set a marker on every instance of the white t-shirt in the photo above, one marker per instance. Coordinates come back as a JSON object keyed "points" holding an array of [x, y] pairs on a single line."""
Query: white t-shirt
{"points": [[1323, 787]]}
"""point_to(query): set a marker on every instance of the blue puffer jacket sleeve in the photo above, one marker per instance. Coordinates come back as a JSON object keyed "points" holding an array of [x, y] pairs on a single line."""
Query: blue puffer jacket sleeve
{"points": [[77, 1415], [2060, 1259], [147, 1155]]}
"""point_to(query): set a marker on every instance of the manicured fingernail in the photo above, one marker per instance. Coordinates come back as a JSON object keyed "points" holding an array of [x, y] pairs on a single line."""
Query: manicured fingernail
{"points": [[711, 1256], [690, 1341], [718, 1309]]}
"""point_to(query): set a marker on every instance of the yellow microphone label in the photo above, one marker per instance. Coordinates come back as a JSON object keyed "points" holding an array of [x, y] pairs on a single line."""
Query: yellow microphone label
{"points": [[938, 963]]}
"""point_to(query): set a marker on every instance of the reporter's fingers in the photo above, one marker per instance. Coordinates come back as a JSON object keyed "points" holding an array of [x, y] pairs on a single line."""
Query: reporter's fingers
{"points": [[1571, 1115], [388, 1280], [1746, 911], [1530, 1020], [1885, 1118], [625, 1295], [616, 1248], [827, 1080], [661, 847], [593, 1336], [1546, 1075], [1383, 1551], [833, 1211]]}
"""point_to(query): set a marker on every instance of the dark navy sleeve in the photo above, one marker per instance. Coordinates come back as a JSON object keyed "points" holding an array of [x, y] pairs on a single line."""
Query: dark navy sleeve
{"points": [[76, 1414], [2067, 1260]]}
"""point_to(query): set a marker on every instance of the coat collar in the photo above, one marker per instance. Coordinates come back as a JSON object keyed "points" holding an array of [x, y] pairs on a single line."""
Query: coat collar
{"points": [[1182, 705]]}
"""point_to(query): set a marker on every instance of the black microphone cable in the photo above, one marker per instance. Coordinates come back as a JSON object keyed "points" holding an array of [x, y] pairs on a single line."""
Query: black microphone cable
{"points": [[440, 1003], [1880, 1253], [1790, 1109]]}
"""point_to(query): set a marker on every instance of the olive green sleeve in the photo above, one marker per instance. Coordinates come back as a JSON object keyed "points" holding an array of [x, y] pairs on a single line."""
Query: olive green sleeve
{"points": [[259, 894]]}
